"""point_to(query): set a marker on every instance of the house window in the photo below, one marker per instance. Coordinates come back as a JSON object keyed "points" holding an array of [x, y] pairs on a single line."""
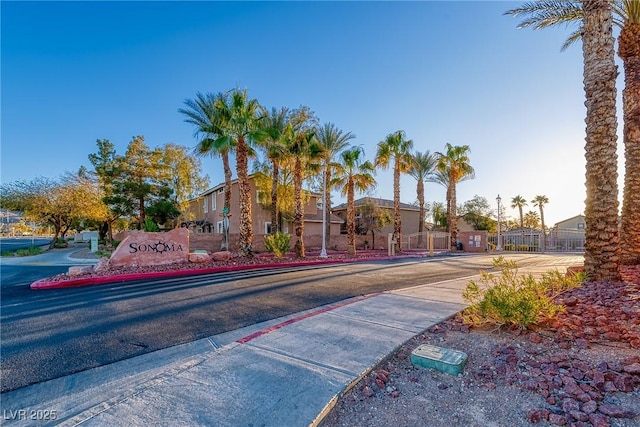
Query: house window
{"points": [[220, 190], [206, 205], [214, 200], [219, 227], [267, 228], [581, 226]]}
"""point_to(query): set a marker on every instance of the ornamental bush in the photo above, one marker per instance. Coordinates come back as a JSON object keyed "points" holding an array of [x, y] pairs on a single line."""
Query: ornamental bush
{"points": [[277, 244], [509, 299]]}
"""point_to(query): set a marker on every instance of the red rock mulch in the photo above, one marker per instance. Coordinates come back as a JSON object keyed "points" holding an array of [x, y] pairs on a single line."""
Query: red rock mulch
{"points": [[577, 389]]}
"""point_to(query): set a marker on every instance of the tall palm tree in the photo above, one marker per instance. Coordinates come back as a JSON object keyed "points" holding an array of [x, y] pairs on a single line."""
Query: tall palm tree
{"points": [[275, 123], [204, 113], [540, 201], [519, 202], [395, 150], [602, 249], [626, 16], [454, 163], [356, 174], [333, 141], [306, 152], [241, 119], [422, 169]]}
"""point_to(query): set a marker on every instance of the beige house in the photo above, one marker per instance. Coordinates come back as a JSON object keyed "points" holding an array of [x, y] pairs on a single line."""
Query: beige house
{"points": [[205, 216], [574, 223], [409, 215]]}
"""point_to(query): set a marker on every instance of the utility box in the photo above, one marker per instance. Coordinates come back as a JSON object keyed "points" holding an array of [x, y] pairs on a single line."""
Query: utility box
{"points": [[441, 359], [474, 241]]}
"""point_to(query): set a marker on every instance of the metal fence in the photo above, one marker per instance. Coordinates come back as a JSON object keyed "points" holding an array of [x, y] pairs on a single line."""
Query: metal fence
{"points": [[557, 240], [421, 240]]}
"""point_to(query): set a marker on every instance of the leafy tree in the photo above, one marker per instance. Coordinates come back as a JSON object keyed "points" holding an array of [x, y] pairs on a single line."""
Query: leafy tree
{"points": [[519, 202], [333, 141], [395, 150], [371, 218], [356, 174], [106, 172], [184, 178], [477, 211], [422, 169], [57, 203], [626, 16], [454, 164]]}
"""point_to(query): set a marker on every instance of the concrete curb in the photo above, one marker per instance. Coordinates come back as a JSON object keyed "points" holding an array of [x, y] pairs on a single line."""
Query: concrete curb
{"points": [[47, 283]]}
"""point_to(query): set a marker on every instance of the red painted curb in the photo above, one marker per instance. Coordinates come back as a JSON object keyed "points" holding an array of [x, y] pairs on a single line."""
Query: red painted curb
{"points": [[46, 283]]}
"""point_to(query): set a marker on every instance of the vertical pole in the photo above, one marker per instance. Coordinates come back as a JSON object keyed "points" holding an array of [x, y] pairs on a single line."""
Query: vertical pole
{"points": [[323, 252]]}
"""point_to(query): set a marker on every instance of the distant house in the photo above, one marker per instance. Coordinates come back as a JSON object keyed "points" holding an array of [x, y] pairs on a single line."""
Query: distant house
{"points": [[574, 223], [568, 234], [409, 214], [204, 214]]}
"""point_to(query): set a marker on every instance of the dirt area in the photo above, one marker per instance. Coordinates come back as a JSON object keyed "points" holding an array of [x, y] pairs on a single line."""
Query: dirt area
{"points": [[581, 370]]}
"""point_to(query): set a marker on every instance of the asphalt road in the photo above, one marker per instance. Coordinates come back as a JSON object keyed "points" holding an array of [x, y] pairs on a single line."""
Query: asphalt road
{"points": [[15, 243], [48, 334]]}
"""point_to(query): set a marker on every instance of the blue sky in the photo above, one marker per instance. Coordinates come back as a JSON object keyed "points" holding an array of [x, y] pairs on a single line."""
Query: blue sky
{"points": [[453, 71]]}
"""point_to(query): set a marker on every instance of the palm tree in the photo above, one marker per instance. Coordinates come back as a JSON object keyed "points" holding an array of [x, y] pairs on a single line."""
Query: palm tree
{"points": [[355, 174], [275, 122], [455, 166], [602, 249], [306, 153], [422, 169], [626, 16], [204, 113], [240, 120], [396, 150], [332, 140], [540, 201], [519, 202], [531, 219]]}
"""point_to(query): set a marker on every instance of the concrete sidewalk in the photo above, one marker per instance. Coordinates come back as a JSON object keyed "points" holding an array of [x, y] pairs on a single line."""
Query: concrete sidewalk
{"points": [[286, 372]]}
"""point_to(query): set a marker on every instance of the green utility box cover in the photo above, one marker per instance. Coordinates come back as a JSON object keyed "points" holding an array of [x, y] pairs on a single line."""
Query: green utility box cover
{"points": [[442, 359]]}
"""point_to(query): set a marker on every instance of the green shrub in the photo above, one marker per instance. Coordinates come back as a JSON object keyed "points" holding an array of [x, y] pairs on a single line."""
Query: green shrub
{"points": [[509, 299], [523, 248], [277, 244], [509, 247], [150, 226]]}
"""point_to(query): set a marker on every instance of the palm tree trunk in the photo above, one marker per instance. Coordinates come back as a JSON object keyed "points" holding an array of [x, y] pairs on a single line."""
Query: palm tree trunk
{"points": [[298, 216], [543, 243], [452, 220], [246, 229], [420, 191], [224, 244], [274, 196], [602, 249], [397, 224], [629, 51], [351, 220]]}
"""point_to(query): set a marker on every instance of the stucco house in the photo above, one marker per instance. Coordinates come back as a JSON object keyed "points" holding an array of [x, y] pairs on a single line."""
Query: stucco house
{"points": [[409, 214], [205, 215], [568, 234]]}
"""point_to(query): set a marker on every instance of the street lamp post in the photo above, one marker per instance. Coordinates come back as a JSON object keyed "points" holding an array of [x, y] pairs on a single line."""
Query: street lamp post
{"points": [[323, 252], [499, 244]]}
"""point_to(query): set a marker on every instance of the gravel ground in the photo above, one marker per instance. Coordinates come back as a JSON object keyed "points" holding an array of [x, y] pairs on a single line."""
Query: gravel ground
{"points": [[581, 370]]}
